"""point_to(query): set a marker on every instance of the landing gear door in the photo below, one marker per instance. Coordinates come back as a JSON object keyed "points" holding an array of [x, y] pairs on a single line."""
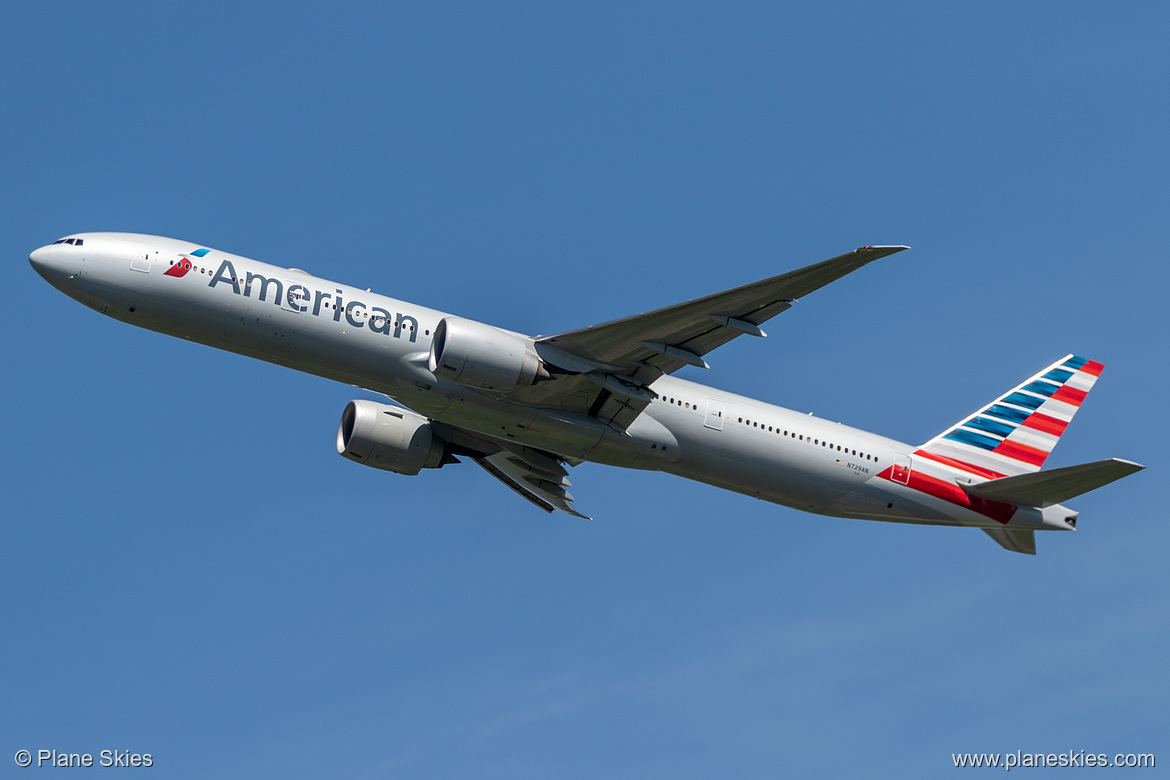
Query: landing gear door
{"points": [[714, 415], [901, 469]]}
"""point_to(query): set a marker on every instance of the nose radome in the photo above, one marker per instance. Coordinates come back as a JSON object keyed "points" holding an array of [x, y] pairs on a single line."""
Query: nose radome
{"points": [[39, 259]]}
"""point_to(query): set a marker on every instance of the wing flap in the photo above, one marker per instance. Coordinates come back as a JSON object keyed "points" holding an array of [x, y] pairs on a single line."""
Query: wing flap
{"points": [[542, 484], [1045, 488]]}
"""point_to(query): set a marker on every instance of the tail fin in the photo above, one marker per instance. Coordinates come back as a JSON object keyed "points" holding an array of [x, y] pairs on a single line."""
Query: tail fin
{"points": [[1014, 539], [1016, 432]]}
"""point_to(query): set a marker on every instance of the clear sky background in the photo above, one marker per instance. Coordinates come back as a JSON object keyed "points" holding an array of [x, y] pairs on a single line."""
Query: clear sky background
{"points": [[190, 570]]}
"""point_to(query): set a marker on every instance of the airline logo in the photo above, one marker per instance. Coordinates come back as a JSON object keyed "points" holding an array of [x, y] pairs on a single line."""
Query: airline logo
{"points": [[1016, 433], [1012, 435], [180, 269], [297, 298]]}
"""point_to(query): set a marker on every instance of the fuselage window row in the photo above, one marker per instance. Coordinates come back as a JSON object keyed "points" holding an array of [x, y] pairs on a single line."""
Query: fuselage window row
{"points": [[800, 437]]}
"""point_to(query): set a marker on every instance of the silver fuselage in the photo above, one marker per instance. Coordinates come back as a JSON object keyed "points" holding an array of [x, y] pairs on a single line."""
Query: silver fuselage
{"points": [[291, 318]]}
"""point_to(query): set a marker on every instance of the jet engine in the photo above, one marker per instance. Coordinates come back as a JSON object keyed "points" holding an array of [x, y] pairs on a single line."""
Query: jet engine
{"points": [[477, 355], [389, 438]]}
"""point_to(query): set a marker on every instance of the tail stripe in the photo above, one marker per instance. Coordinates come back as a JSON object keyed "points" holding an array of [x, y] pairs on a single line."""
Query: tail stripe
{"points": [[1027, 401], [1029, 455], [1070, 395], [991, 426], [1008, 413], [1015, 433], [1042, 422], [1045, 389], [958, 464], [977, 439], [1034, 438]]}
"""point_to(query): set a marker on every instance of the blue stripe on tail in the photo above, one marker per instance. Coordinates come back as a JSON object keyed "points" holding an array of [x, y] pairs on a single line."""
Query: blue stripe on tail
{"points": [[975, 439]]}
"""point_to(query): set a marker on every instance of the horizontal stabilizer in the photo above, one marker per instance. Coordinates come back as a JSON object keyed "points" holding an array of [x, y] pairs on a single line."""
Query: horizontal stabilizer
{"points": [[1014, 539], [1045, 488]]}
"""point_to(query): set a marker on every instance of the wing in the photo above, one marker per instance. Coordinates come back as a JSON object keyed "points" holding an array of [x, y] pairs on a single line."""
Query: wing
{"points": [[606, 370], [537, 476], [545, 488]]}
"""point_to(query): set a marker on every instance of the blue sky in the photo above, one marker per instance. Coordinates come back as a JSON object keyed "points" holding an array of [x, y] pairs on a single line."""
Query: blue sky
{"points": [[190, 570]]}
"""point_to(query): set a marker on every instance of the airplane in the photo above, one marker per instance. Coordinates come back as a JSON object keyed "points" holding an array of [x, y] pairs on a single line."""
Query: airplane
{"points": [[525, 408]]}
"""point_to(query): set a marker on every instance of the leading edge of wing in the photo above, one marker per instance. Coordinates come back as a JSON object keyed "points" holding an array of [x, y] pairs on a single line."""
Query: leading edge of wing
{"points": [[700, 325]]}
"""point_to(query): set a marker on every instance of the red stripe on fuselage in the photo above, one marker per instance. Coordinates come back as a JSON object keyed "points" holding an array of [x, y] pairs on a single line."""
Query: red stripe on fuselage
{"points": [[950, 492], [1045, 424], [1021, 452], [960, 465]]}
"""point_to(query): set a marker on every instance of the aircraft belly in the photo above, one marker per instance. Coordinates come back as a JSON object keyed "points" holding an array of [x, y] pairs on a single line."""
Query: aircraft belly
{"points": [[876, 502]]}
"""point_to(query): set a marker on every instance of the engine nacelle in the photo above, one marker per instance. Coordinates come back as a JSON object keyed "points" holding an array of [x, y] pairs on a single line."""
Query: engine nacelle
{"points": [[389, 438], [477, 355]]}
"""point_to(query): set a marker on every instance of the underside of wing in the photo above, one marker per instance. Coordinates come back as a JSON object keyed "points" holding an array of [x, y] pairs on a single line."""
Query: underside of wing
{"points": [[546, 489], [537, 476], [606, 370]]}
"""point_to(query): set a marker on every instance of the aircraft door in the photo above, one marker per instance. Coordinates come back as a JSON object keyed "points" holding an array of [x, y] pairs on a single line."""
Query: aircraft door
{"points": [[901, 469], [139, 257], [714, 418]]}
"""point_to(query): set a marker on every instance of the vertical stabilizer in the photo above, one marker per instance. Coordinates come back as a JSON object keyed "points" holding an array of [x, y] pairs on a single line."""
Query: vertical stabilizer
{"points": [[1016, 432]]}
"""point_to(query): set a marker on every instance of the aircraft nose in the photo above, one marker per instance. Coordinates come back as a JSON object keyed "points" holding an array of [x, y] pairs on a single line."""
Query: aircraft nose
{"points": [[39, 259], [52, 263]]}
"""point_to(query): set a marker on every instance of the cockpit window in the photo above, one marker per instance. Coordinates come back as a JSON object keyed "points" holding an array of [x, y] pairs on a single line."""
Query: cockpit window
{"points": [[73, 241], [78, 242]]}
